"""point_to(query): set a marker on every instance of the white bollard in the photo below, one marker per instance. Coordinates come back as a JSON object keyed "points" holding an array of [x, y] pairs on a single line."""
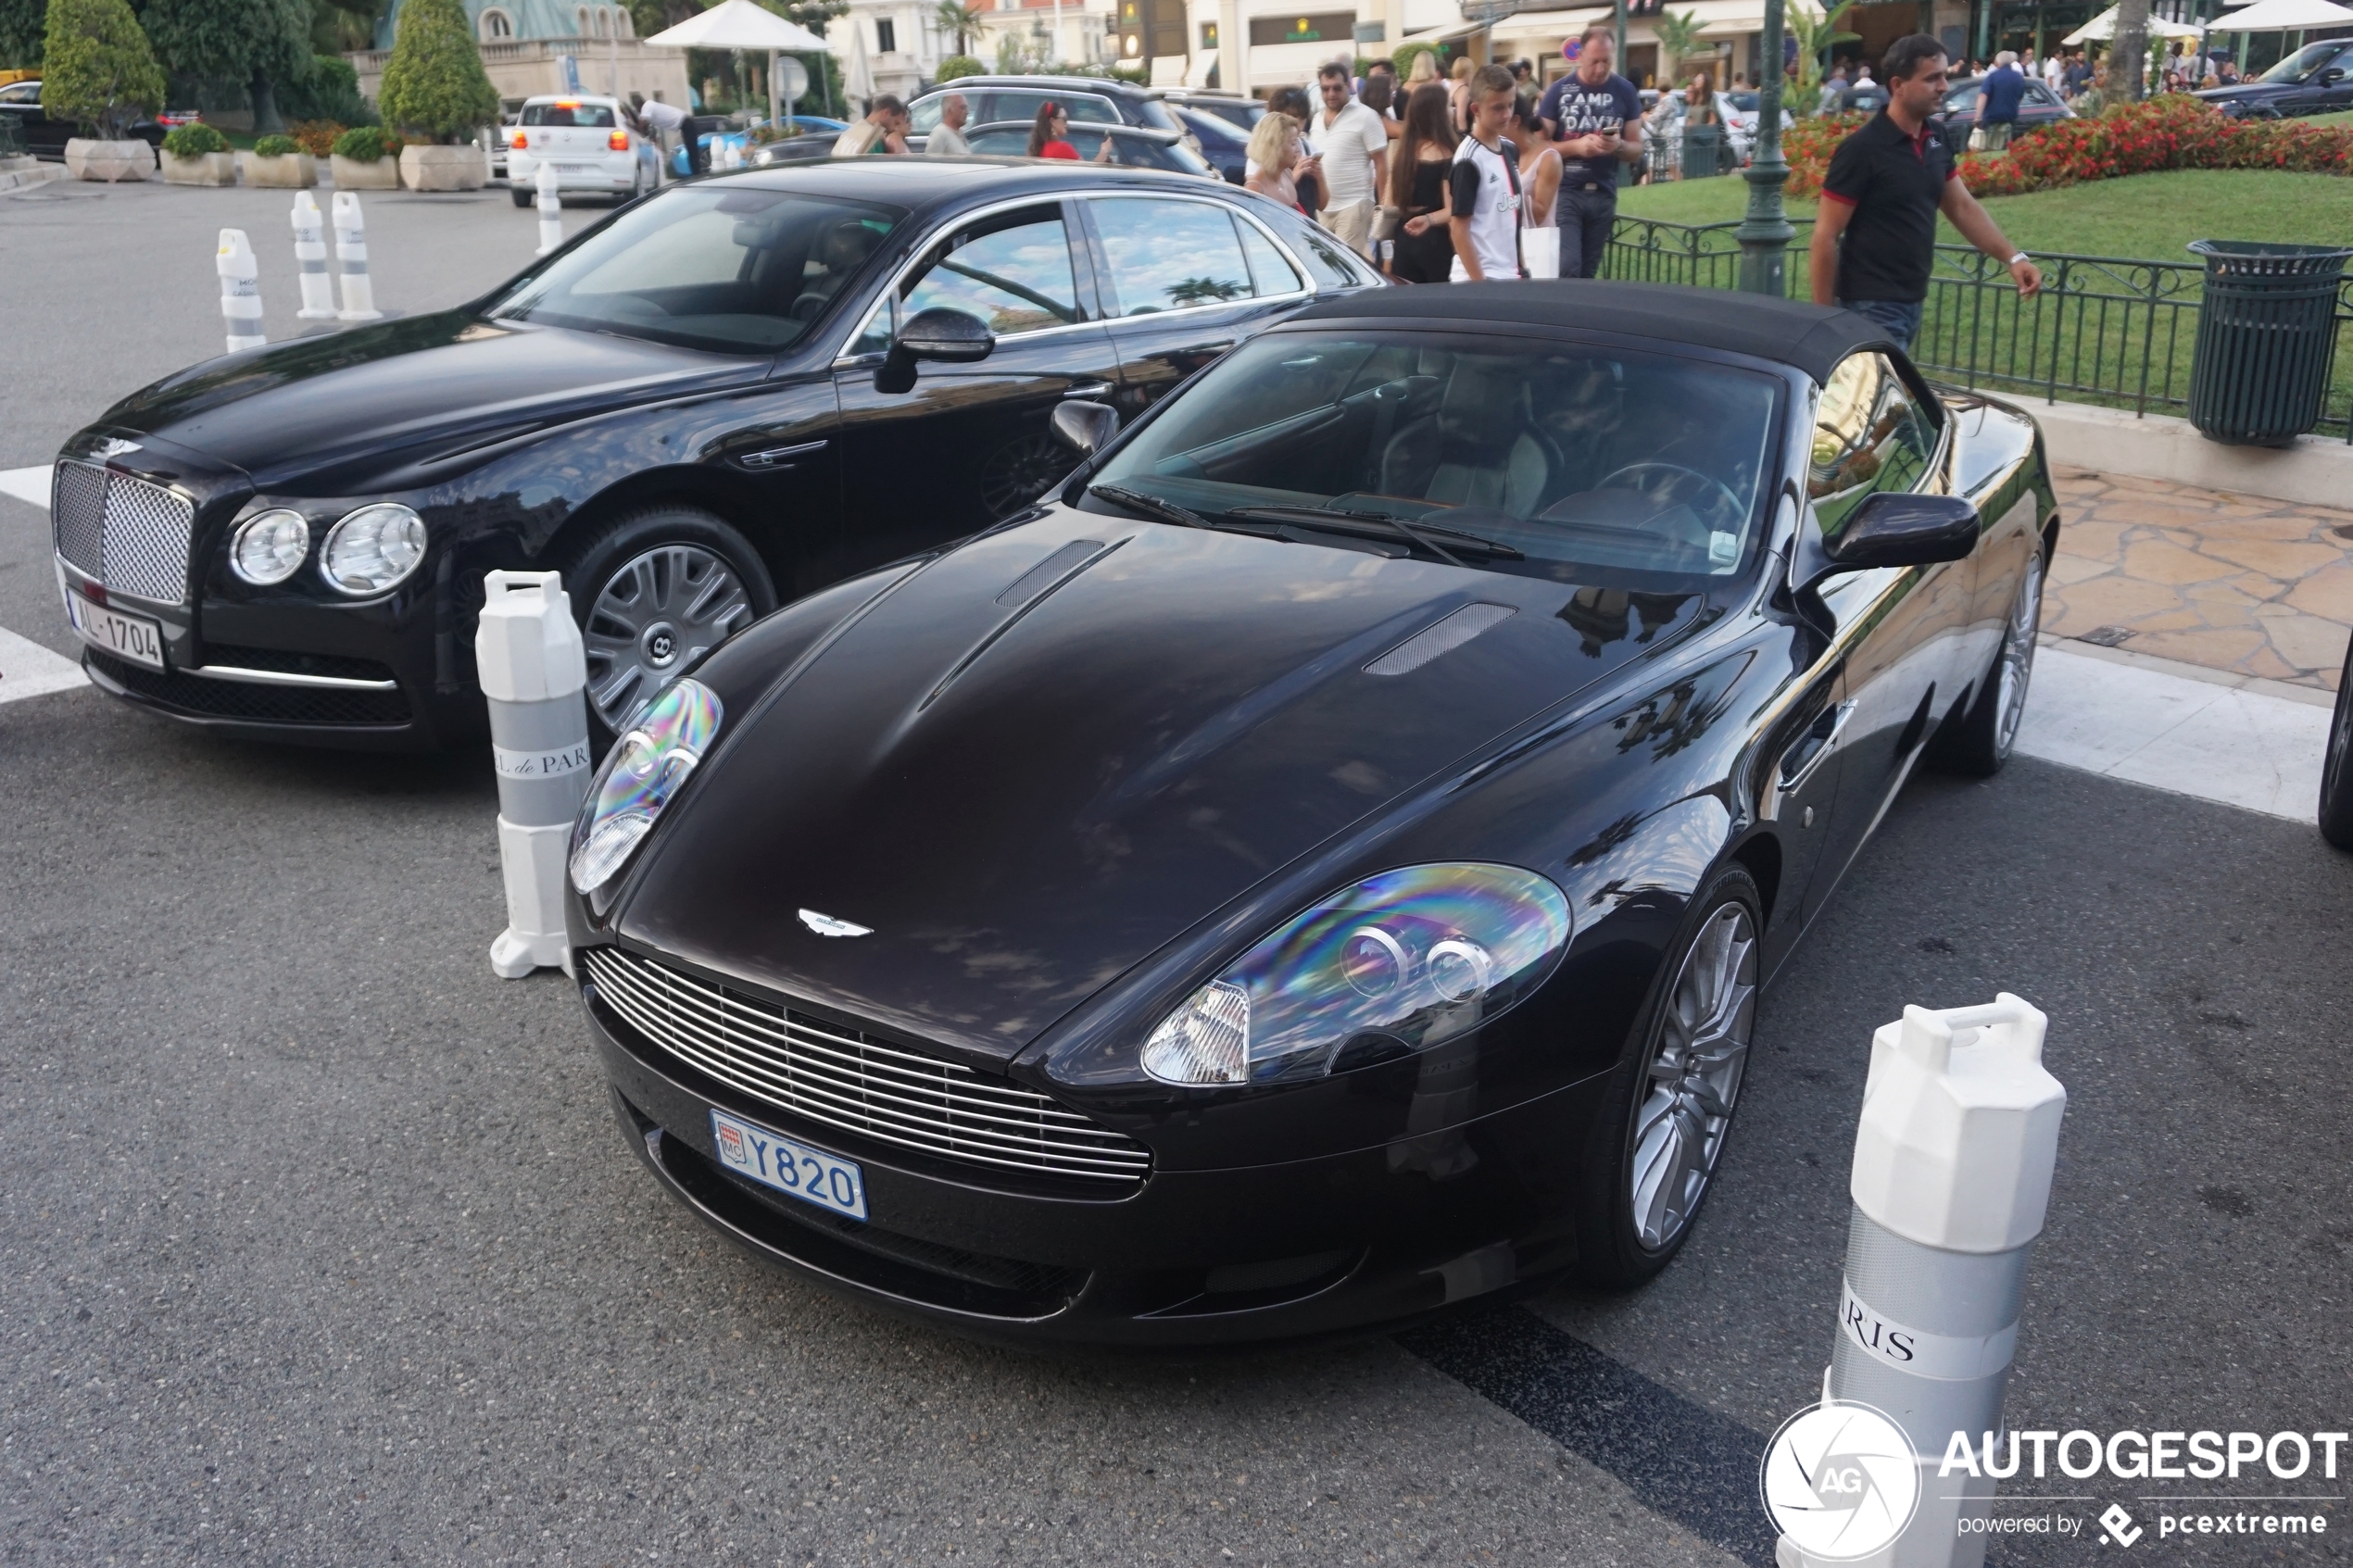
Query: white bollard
{"points": [[534, 671], [240, 291], [351, 256], [311, 259], [1952, 1177], [551, 208]]}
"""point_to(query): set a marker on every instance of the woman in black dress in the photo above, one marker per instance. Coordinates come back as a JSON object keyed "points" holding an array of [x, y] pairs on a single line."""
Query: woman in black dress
{"points": [[1417, 167]]}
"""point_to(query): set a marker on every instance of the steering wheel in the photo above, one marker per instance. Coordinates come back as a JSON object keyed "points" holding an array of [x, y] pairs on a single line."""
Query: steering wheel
{"points": [[1732, 508]]}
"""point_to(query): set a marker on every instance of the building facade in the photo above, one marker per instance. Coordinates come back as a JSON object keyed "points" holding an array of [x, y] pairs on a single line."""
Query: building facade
{"points": [[531, 47]]}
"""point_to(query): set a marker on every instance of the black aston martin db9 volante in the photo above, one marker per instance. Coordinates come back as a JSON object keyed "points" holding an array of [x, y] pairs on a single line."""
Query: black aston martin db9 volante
{"points": [[721, 397], [1319, 865]]}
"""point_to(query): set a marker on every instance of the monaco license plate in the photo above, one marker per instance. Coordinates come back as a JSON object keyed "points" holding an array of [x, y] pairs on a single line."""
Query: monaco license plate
{"points": [[772, 1160], [133, 637]]}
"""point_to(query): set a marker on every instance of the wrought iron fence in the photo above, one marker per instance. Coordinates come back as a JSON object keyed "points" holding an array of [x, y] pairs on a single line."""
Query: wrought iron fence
{"points": [[2105, 330]]}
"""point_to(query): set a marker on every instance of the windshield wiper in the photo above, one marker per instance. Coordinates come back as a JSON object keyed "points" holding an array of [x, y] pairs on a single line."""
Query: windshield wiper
{"points": [[1419, 533], [1151, 506]]}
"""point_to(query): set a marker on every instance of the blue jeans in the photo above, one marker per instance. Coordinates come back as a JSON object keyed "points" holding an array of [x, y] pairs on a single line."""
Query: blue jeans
{"points": [[1899, 318], [1585, 218]]}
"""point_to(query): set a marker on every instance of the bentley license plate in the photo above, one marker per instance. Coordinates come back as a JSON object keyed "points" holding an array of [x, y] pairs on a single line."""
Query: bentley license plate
{"points": [[133, 637], [774, 1161]]}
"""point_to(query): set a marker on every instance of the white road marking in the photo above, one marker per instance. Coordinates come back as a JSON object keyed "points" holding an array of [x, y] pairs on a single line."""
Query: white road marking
{"points": [[2218, 739], [28, 669], [27, 484]]}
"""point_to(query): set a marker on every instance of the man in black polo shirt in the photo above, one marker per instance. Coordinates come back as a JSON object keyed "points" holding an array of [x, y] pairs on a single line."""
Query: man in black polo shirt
{"points": [[1885, 186]]}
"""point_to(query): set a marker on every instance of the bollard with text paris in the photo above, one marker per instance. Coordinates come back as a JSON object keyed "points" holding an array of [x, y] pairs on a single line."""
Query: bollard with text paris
{"points": [[534, 671], [240, 290], [551, 208], [351, 256], [1952, 1177], [311, 259]]}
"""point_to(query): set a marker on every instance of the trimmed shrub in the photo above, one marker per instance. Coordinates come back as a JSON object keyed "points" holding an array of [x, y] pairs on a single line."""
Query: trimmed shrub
{"points": [[1402, 59], [329, 93], [955, 65], [365, 144], [276, 146], [97, 68], [435, 86], [193, 140], [315, 137]]}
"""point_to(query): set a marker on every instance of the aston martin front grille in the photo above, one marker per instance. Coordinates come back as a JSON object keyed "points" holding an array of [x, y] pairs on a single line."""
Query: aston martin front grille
{"points": [[841, 1078], [124, 531]]}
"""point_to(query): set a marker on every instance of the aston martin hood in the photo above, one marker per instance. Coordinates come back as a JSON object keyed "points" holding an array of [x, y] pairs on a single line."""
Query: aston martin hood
{"points": [[1048, 753]]}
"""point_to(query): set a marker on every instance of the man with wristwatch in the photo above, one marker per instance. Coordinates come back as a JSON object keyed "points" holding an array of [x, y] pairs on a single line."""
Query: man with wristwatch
{"points": [[1875, 233]]}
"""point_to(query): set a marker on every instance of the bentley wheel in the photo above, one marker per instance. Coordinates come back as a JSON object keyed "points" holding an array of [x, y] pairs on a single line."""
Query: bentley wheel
{"points": [[2337, 788], [1663, 1123], [1020, 472], [654, 591], [1989, 729]]}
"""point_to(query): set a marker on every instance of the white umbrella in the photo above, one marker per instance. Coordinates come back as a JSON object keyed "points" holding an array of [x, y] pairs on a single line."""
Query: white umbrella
{"points": [[2284, 16], [858, 76], [739, 24], [2102, 29]]}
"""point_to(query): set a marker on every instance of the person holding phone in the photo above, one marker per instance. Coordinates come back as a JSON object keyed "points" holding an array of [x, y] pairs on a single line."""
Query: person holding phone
{"points": [[1594, 116]]}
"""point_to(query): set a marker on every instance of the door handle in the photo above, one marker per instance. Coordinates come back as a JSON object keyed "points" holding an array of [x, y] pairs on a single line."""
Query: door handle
{"points": [[1091, 389], [1218, 347], [1799, 762]]}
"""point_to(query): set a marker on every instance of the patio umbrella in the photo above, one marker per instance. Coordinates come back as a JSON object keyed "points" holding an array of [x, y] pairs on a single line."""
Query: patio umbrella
{"points": [[740, 25], [2282, 16], [858, 76], [2102, 29]]}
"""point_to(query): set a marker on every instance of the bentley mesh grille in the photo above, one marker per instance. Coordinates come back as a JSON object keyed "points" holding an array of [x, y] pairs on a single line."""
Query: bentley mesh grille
{"points": [[124, 531], [840, 1079]]}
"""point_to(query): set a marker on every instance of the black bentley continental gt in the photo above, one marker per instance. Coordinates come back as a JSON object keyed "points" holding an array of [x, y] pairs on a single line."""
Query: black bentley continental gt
{"points": [[1320, 864], [723, 397]]}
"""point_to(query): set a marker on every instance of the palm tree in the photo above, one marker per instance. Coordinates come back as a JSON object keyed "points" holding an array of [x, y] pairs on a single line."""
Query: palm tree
{"points": [[1817, 34], [962, 20], [1678, 39], [2128, 52]]}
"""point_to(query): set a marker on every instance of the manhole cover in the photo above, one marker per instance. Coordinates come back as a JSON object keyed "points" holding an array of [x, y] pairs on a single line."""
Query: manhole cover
{"points": [[2106, 636]]}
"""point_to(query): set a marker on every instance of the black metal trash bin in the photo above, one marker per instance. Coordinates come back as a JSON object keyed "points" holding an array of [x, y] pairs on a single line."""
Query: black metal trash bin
{"points": [[1702, 151], [2266, 339]]}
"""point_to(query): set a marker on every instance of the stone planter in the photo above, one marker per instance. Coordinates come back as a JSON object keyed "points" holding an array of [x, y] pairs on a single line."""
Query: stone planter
{"points": [[110, 161], [351, 174], [205, 168], [462, 168], [288, 171]]}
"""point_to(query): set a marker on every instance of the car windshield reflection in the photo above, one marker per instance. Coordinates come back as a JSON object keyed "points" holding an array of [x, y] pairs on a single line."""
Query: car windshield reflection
{"points": [[732, 269], [1548, 461]]}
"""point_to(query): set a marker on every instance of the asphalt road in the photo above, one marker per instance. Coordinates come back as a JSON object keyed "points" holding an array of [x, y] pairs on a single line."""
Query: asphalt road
{"points": [[317, 1244]]}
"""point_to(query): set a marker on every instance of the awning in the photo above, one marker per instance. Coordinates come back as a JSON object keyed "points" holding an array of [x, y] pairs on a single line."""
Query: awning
{"points": [[739, 24], [2102, 29], [2284, 16], [1547, 24]]}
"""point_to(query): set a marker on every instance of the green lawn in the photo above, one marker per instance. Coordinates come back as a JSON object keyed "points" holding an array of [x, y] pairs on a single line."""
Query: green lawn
{"points": [[2149, 217]]}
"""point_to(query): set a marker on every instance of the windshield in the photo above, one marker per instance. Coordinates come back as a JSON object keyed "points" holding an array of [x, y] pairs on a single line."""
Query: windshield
{"points": [[596, 117], [724, 267], [1588, 464], [2304, 62]]}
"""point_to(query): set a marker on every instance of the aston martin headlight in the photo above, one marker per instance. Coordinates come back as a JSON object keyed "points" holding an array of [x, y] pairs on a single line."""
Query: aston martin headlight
{"points": [[1395, 964], [268, 548], [648, 765], [373, 550]]}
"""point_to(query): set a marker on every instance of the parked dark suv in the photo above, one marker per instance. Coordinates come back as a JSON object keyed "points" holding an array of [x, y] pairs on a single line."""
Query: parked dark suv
{"points": [[1084, 98], [2316, 79], [43, 137]]}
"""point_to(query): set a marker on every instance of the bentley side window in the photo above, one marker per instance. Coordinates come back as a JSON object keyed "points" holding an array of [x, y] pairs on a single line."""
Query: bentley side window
{"points": [[1013, 274], [1869, 433], [1171, 254]]}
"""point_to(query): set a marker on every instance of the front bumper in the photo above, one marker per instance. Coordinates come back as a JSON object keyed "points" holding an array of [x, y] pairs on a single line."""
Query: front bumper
{"points": [[1275, 1251]]}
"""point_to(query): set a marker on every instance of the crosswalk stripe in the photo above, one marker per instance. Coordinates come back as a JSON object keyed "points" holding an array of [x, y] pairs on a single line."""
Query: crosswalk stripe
{"points": [[28, 669]]}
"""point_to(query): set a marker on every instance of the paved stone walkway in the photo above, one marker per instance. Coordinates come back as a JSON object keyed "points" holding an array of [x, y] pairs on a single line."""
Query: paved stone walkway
{"points": [[2235, 583]]}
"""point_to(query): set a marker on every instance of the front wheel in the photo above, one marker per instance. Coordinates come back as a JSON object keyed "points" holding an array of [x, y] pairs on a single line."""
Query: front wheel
{"points": [[2337, 789], [1662, 1126], [1989, 730]]}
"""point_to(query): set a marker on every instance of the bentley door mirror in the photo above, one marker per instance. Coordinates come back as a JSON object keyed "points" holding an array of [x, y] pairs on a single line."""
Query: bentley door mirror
{"points": [[941, 333], [1086, 428]]}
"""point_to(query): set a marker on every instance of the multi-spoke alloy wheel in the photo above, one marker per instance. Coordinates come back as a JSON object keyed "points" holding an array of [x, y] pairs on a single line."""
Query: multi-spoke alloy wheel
{"points": [[1684, 1105], [658, 611], [2017, 655]]}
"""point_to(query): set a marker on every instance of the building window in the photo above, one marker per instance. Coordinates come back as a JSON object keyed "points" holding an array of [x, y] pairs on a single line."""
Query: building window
{"points": [[622, 27], [1209, 37], [497, 25], [886, 35], [604, 22], [580, 23]]}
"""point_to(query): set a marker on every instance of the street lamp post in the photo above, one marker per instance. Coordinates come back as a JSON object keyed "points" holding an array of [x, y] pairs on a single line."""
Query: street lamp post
{"points": [[1618, 54], [1765, 234]]}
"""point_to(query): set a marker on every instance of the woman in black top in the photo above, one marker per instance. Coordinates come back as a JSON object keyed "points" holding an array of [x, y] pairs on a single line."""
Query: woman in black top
{"points": [[1425, 248]]}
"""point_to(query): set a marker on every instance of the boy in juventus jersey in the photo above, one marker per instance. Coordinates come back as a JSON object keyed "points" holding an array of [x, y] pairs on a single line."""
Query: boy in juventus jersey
{"points": [[1483, 185]]}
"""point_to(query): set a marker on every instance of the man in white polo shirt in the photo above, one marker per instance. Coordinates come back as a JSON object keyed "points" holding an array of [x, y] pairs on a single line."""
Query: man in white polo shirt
{"points": [[1483, 186], [1352, 142]]}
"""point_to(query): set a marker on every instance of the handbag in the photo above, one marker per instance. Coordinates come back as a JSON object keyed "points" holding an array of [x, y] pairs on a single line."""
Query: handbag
{"points": [[1977, 140], [1389, 222]]}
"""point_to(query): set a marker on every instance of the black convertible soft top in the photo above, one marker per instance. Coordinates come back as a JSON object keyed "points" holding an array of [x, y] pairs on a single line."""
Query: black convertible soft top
{"points": [[1813, 338]]}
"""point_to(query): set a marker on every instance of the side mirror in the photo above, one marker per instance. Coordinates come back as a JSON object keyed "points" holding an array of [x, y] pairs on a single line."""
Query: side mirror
{"points": [[1086, 428], [1890, 529], [950, 336], [2331, 76]]}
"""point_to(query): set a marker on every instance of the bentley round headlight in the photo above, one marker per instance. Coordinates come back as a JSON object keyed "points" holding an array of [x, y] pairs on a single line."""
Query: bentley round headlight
{"points": [[373, 550], [1395, 964], [268, 548], [647, 766]]}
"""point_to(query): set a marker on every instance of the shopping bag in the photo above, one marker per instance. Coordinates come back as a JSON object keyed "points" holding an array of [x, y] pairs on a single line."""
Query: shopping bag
{"points": [[1539, 251]]}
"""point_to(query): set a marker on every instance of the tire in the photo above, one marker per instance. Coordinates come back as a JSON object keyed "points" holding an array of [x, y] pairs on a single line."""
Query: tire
{"points": [[652, 590], [524, 194], [2337, 787], [1663, 1123], [1981, 743]]}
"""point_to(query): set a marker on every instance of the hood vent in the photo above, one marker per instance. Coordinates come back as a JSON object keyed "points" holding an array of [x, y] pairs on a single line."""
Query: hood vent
{"points": [[1437, 641]]}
